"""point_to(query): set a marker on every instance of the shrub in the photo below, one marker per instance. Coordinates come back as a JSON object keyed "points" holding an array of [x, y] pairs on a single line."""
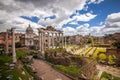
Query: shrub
{"points": [[18, 44]]}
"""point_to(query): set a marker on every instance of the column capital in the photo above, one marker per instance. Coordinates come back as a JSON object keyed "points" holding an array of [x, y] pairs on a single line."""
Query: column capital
{"points": [[40, 30], [13, 29]]}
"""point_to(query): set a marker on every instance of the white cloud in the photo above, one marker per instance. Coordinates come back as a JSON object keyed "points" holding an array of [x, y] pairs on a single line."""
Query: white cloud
{"points": [[84, 17], [95, 1], [69, 31], [112, 23], [97, 30], [83, 29], [10, 9]]}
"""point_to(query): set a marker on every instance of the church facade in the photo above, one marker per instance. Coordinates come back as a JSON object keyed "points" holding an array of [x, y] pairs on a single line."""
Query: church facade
{"points": [[29, 36], [47, 38]]}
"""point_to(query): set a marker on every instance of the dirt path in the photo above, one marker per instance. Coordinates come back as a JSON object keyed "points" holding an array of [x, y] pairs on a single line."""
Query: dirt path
{"points": [[46, 72], [110, 70]]}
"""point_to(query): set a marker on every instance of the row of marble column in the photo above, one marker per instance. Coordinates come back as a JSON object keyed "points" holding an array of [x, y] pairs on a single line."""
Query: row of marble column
{"points": [[51, 40], [12, 31]]}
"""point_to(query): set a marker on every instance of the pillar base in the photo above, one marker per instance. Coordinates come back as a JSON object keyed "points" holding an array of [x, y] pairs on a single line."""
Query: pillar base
{"points": [[14, 62], [41, 54]]}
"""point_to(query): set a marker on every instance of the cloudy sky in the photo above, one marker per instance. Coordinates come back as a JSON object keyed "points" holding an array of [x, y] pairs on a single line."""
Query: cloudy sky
{"points": [[97, 17]]}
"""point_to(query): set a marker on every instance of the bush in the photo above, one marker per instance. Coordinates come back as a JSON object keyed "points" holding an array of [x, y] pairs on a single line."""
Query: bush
{"points": [[117, 44], [18, 44]]}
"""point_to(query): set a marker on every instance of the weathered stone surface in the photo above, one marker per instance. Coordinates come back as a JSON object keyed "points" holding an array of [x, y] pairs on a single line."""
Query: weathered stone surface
{"points": [[62, 57]]}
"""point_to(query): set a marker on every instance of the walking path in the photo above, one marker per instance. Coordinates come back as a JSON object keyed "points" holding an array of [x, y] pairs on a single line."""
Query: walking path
{"points": [[110, 70], [46, 72]]}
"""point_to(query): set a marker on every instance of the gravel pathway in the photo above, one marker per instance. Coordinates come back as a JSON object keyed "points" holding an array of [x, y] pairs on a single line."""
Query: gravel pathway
{"points": [[46, 72]]}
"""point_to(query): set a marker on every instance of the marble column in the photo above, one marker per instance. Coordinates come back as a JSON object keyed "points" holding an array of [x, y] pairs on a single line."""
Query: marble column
{"points": [[52, 40], [59, 39], [7, 45], [62, 40], [48, 40], [56, 40], [65, 42], [39, 41], [42, 42], [13, 45]]}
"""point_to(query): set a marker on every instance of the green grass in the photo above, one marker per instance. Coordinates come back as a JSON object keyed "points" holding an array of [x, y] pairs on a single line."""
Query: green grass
{"points": [[72, 47], [105, 75], [84, 52], [108, 76], [91, 51], [102, 56], [21, 53], [110, 58], [70, 70], [97, 51], [16, 72]]}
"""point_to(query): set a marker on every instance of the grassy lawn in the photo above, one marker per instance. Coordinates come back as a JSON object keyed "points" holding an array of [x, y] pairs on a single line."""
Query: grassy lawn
{"points": [[21, 53], [108, 76], [70, 70], [102, 56], [97, 51], [85, 51], [16, 72], [110, 58], [70, 47]]}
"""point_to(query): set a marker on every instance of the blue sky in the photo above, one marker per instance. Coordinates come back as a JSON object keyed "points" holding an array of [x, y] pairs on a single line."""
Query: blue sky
{"points": [[72, 16], [102, 10]]}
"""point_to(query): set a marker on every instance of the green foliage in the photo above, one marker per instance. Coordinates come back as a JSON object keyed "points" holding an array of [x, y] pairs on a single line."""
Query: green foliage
{"points": [[111, 59], [90, 40], [105, 75], [21, 53], [18, 44], [97, 51], [102, 56], [52, 51], [5, 69], [108, 76], [117, 44], [70, 70], [29, 70], [33, 53]]}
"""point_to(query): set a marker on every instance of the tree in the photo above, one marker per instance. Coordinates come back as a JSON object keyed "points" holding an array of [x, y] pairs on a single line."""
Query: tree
{"points": [[90, 41], [18, 44], [117, 44]]}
